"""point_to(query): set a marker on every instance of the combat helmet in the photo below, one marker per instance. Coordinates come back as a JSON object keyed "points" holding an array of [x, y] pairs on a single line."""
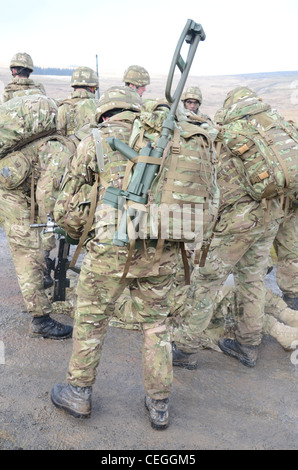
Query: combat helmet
{"points": [[84, 76], [192, 93], [238, 94], [118, 98], [22, 59], [136, 75]]}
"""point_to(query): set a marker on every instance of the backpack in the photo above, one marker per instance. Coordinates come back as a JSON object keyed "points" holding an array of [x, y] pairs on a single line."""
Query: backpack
{"points": [[74, 113], [265, 149], [24, 119], [183, 199]]}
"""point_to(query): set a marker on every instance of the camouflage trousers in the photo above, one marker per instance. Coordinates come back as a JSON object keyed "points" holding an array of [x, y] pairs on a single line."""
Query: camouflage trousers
{"points": [[286, 247], [96, 297], [26, 250], [244, 253]]}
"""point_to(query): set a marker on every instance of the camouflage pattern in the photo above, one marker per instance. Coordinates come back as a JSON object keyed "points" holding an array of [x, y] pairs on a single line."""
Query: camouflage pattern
{"points": [[187, 178], [136, 75], [22, 59], [241, 244], [26, 250], [192, 93], [76, 111], [20, 87], [24, 119], [121, 98], [103, 266], [84, 77], [265, 145], [226, 314], [49, 158], [96, 296], [286, 247]]}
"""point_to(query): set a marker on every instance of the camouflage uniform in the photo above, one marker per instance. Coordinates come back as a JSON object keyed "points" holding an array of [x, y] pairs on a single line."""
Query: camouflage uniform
{"points": [[21, 85], [15, 208], [79, 109], [76, 111], [286, 247], [137, 78], [242, 241], [103, 265]]}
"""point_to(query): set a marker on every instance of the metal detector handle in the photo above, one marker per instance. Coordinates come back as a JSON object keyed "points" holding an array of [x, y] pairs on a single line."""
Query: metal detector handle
{"points": [[192, 34]]}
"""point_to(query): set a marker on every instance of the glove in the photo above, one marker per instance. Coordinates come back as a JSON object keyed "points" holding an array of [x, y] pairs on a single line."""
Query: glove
{"points": [[68, 239]]}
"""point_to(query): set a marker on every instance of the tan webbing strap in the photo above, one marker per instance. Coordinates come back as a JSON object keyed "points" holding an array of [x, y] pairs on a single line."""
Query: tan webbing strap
{"points": [[185, 263], [32, 197], [158, 253], [206, 249], [99, 150], [128, 169], [132, 243], [87, 228]]}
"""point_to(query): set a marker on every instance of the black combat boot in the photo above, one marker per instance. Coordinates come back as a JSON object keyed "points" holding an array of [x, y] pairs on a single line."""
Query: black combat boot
{"points": [[158, 410], [47, 327], [75, 400], [182, 359], [245, 353], [47, 280], [292, 302]]}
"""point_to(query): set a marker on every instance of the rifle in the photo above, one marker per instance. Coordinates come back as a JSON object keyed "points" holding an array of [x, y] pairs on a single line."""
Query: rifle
{"points": [[61, 265], [144, 173]]}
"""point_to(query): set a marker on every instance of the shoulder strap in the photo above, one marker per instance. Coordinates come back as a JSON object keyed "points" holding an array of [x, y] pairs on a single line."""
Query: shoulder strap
{"points": [[98, 150]]}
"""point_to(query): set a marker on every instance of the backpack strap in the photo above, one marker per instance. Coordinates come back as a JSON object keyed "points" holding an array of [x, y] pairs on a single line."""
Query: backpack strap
{"points": [[98, 149], [88, 225]]}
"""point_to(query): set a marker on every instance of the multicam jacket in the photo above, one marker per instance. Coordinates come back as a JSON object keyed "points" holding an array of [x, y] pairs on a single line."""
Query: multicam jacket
{"points": [[76, 111], [20, 87]]}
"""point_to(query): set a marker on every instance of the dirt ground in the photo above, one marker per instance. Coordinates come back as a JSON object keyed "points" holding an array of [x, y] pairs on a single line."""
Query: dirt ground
{"points": [[221, 405]]}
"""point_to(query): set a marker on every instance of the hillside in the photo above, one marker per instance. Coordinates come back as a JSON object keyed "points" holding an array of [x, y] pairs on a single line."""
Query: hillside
{"points": [[280, 89]]}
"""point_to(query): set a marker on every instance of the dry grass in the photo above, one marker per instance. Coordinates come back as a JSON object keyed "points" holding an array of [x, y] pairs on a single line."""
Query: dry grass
{"points": [[278, 89]]}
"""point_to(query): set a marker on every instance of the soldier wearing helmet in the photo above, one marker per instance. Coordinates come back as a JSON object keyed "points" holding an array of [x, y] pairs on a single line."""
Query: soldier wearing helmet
{"points": [[96, 165], [192, 99], [79, 108], [137, 78], [21, 67]]}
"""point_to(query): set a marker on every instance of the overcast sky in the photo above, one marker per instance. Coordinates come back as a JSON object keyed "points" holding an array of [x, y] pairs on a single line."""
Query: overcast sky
{"points": [[241, 37]]}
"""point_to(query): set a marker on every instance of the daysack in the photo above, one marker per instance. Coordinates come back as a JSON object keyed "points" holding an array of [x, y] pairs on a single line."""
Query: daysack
{"points": [[266, 149], [184, 195], [24, 119], [74, 113]]}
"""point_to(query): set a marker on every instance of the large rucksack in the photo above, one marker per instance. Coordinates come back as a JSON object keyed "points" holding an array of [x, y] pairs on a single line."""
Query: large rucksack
{"points": [[265, 147], [183, 198], [24, 119]]}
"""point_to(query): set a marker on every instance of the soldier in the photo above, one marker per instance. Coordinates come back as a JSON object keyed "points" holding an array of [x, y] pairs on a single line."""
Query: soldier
{"points": [[48, 157], [21, 67], [286, 247], [242, 241], [79, 109], [137, 78], [103, 266], [279, 320], [192, 99]]}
